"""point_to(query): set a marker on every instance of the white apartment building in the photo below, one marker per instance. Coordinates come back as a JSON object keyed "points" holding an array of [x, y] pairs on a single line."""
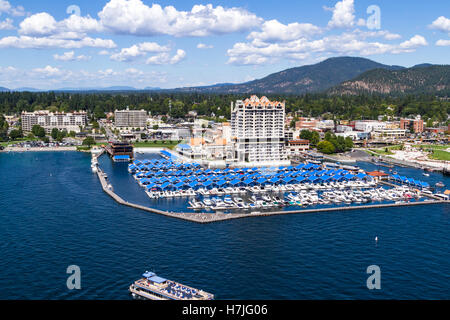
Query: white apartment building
{"points": [[369, 126], [49, 120], [257, 127], [130, 118]]}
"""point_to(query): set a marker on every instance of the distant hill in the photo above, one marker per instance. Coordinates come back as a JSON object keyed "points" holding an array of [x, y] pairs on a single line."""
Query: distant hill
{"points": [[311, 78], [432, 79], [22, 89], [2, 89]]}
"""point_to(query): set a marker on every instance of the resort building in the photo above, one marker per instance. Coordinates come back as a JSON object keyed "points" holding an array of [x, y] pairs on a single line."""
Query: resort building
{"points": [[415, 125], [258, 132], [130, 118], [50, 120]]}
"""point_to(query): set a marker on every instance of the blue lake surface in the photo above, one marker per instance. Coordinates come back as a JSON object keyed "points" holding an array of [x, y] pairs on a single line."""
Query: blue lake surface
{"points": [[53, 214]]}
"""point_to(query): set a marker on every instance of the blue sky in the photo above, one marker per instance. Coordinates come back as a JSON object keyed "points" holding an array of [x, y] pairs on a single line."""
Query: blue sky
{"points": [[55, 44]]}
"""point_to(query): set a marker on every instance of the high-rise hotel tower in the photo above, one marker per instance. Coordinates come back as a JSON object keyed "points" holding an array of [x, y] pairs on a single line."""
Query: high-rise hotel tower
{"points": [[258, 129]]}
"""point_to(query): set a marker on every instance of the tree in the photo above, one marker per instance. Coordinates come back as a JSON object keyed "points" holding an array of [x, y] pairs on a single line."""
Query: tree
{"points": [[15, 134], [38, 131], [326, 147], [54, 133], [61, 135], [348, 144], [89, 141], [155, 127], [3, 128]]}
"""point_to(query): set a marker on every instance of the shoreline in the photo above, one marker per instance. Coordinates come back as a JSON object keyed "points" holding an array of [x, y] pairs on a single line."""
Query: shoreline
{"points": [[50, 149]]}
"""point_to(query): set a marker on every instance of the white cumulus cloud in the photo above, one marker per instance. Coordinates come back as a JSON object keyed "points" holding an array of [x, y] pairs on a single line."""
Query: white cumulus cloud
{"points": [[70, 56], [138, 50], [165, 58], [26, 42], [343, 15], [442, 23], [135, 17], [443, 43], [257, 52], [273, 30], [7, 8]]}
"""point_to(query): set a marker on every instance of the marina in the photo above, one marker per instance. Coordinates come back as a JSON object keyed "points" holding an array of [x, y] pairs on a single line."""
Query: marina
{"points": [[224, 194]]}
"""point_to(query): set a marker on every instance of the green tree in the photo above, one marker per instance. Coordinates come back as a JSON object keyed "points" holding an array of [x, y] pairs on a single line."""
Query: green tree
{"points": [[54, 133], [326, 147], [3, 128], [89, 141], [155, 127], [15, 134], [38, 131], [348, 144], [61, 135]]}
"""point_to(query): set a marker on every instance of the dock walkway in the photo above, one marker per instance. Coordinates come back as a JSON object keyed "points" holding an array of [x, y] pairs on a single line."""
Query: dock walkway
{"points": [[204, 218]]}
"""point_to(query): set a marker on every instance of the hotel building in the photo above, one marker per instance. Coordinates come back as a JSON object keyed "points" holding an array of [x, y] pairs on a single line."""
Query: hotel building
{"points": [[130, 118], [50, 120], [257, 127], [415, 125]]}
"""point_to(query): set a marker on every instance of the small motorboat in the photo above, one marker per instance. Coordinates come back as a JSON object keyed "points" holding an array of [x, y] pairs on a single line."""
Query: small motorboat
{"points": [[426, 174], [440, 185]]}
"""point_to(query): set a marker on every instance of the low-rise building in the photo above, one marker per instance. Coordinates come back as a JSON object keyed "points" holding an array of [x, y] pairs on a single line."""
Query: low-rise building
{"points": [[389, 133], [297, 147], [306, 124]]}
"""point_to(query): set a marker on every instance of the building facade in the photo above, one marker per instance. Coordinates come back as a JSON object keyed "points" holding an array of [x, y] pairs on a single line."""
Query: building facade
{"points": [[130, 118], [49, 120], [298, 147], [416, 125], [258, 130]]}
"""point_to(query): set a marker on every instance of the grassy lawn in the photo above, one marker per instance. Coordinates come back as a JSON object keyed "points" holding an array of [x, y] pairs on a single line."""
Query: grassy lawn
{"points": [[432, 146], [156, 144], [440, 155]]}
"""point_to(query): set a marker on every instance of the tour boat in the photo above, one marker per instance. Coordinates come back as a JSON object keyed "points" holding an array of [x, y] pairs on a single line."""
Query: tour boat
{"points": [[153, 287]]}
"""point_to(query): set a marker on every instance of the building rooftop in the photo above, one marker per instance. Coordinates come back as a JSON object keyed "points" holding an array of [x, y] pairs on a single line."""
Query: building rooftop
{"points": [[254, 101]]}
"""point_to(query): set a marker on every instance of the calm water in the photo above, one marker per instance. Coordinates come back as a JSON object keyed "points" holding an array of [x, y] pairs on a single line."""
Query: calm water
{"points": [[53, 214]]}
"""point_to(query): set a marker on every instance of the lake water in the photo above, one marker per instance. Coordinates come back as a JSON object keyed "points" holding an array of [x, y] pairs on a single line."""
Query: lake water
{"points": [[53, 213]]}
